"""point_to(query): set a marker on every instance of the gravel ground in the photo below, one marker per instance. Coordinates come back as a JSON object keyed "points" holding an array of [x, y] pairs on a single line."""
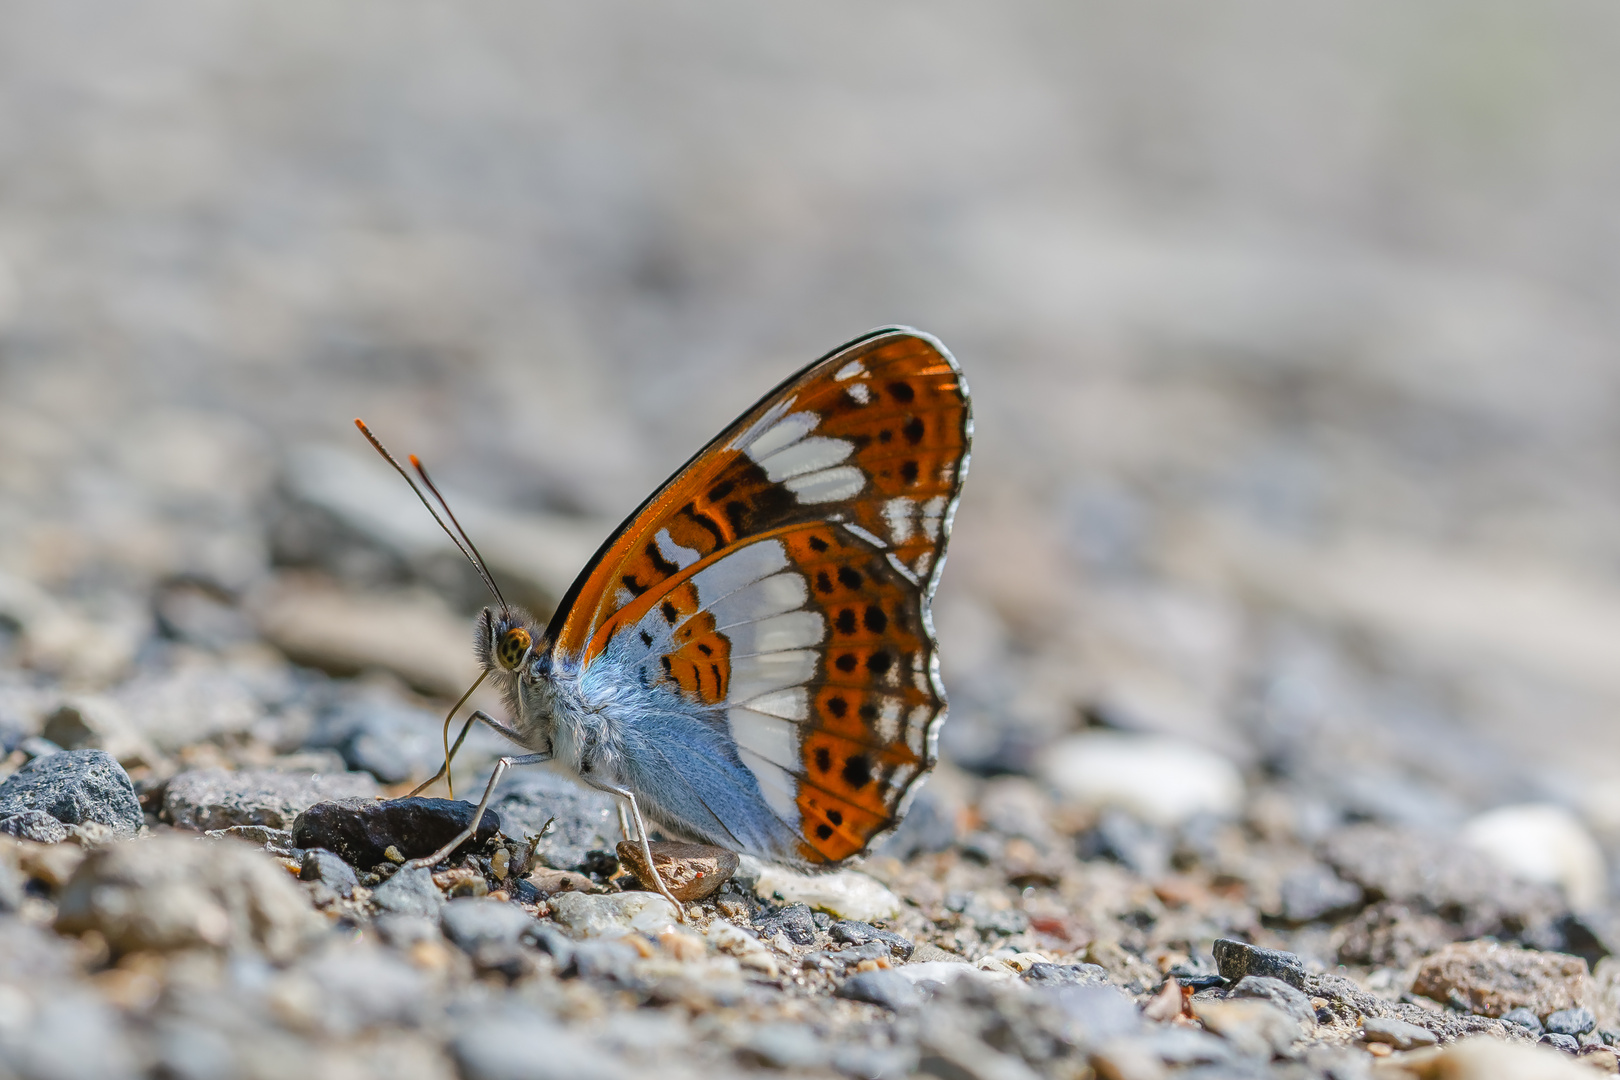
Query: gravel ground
{"points": [[1282, 622]]}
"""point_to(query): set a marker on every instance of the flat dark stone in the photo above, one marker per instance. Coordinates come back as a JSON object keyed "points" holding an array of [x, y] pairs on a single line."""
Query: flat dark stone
{"points": [[361, 830], [854, 932], [1566, 1043], [1238, 960], [73, 787]]}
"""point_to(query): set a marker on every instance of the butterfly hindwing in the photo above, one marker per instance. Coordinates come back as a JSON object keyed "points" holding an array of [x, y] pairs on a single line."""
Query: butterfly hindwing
{"points": [[779, 584]]}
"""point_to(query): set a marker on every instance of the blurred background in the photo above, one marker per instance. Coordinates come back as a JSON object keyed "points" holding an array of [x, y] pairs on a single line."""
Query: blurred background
{"points": [[1290, 328]]}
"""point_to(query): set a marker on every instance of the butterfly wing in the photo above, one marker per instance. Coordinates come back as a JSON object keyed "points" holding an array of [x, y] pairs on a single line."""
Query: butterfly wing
{"points": [[780, 581]]}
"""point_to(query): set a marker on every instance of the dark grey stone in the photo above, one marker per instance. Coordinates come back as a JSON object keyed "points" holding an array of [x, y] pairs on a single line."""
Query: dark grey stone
{"points": [[1525, 1018], [1286, 997], [1238, 959], [855, 932], [1316, 893], [1575, 1021], [1567, 1043], [361, 830], [73, 787], [409, 892], [210, 799], [884, 987], [325, 867], [35, 825], [1066, 975], [795, 922]]}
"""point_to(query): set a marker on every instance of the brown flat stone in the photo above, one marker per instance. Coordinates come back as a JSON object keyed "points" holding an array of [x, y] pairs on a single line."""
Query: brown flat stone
{"points": [[1492, 980], [691, 871]]}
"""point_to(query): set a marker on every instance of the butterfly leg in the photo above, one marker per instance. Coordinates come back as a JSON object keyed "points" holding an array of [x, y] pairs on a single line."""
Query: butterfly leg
{"points": [[641, 834], [444, 770], [429, 861]]}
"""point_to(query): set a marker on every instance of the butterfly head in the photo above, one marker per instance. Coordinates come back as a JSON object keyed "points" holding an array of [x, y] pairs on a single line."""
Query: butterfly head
{"points": [[508, 640]]}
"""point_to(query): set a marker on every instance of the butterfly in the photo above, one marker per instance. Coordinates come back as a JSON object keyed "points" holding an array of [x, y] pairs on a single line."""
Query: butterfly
{"points": [[749, 660]]}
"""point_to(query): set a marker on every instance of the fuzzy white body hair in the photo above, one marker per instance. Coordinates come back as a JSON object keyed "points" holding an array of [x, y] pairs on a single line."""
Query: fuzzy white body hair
{"points": [[605, 726]]}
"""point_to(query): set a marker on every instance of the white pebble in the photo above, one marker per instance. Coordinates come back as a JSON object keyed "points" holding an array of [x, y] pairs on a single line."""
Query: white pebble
{"points": [[1159, 780], [846, 894], [1543, 843]]}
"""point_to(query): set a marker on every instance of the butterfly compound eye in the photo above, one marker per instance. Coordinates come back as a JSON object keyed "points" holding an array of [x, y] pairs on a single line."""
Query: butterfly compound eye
{"points": [[514, 643]]}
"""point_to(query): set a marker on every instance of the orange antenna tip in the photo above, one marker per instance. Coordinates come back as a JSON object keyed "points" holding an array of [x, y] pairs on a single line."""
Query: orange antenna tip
{"points": [[416, 461]]}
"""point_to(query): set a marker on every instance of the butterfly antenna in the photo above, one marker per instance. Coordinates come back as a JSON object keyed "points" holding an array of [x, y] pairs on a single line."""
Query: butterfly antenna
{"points": [[477, 557], [462, 542]]}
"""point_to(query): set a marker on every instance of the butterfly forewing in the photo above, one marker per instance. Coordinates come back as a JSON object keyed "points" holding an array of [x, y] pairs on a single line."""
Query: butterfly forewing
{"points": [[782, 579]]}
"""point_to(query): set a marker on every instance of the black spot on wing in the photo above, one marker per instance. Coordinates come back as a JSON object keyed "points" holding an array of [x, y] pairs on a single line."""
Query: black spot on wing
{"points": [[661, 564]]}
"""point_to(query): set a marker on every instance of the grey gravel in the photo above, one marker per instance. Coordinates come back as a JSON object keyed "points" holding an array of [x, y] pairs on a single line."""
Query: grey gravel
{"points": [[210, 799]]}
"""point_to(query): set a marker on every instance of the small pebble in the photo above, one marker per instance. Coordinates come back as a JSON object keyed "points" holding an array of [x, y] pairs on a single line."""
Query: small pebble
{"points": [[1576, 1021], [854, 932], [1566, 1043], [1238, 959], [1396, 1033], [795, 922], [1525, 1018], [323, 866]]}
